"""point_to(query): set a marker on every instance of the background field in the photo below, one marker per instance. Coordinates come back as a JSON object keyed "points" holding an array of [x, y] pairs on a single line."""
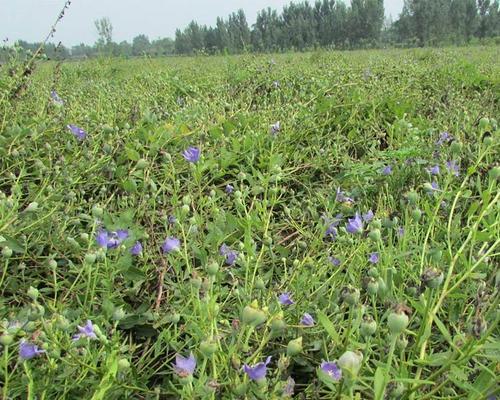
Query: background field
{"points": [[344, 117]]}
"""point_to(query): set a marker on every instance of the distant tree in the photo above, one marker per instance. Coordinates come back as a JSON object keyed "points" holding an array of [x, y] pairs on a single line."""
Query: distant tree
{"points": [[140, 45]]}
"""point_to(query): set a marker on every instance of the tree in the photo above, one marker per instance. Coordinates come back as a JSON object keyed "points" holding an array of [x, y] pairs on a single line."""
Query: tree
{"points": [[140, 45]]}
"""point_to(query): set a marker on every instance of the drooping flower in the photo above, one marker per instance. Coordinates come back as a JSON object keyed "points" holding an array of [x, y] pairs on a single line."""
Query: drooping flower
{"points": [[136, 249], [374, 258], [355, 225], [86, 331], [307, 320], [434, 170], [400, 232], [258, 371], [170, 245], [368, 216], [334, 261], [185, 366], [275, 128], [453, 167], [230, 254], [331, 231], [29, 350], [332, 370], [111, 240], [55, 98], [342, 198], [78, 132], [285, 299], [387, 170], [229, 189], [171, 219], [192, 154]]}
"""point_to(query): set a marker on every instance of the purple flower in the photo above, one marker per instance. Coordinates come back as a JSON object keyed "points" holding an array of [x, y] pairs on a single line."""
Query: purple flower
{"points": [[334, 260], [29, 350], [374, 257], [434, 170], [229, 189], [453, 167], [136, 249], [56, 99], [355, 225], [275, 128], [258, 371], [342, 198], [400, 232], [331, 231], [387, 170], [289, 387], [230, 254], [192, 154], [307, 320], [444, 137], [111, 240], [171, 244], [85, 331], [331, 369], [171, 219], [185, 366], [368, 216], [79, 133], [285, 299]]}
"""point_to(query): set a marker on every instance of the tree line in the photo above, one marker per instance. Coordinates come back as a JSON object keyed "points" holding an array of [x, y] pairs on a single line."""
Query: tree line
{"points": [[305, 25]]}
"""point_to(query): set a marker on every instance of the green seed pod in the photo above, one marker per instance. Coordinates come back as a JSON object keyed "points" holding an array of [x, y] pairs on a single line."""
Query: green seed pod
{"points": [[253, 316], [294, 347], [432, 278], [196, 282], [368, 327], [302, 245], [372, 287], [208, 348], [260, 284], [33, 293], [350, 362], [212, 193], [97, 212], [212, 268], [296, 263], [397, 322], [484, 124], [238, 194], [412, 198], [376, 224], [32, 207], [350, 296], [488, 140], [6, 339], [141, 164], [90, 258], [402, 343], [416, 214], [118, 314], [373, 272], [185, 209], [375, 235], [123, 364], [494, 173], [6, 252]]}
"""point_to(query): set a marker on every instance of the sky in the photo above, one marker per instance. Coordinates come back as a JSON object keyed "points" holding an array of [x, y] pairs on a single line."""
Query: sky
{"points": [[31, 20]]}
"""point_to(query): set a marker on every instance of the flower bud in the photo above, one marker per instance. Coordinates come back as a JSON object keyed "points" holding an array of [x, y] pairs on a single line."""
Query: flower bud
{"points": [[294, 347], [494, 173], [412, 198], [373, 272], [118, 314], [253, 316], [185, 209], [32, 207], [278, 325], [372, 286], [350, 362], [141, 163], [376, 224], [260, 284], [402, 343]]}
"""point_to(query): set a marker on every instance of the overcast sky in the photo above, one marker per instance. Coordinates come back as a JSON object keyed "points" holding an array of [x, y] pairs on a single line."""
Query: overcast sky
{"points": [[31, 19]]}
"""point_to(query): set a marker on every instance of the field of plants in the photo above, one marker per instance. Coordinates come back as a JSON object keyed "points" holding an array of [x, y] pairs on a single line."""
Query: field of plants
{"points": [[314, 226]]}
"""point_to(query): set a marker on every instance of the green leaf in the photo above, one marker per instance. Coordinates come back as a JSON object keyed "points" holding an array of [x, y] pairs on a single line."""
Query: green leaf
{"points": [[329, 327], [379, 383], [132, 154], [134, 274], [13, 244]]}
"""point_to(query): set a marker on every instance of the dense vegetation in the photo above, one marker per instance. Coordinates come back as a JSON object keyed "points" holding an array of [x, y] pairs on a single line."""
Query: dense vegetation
{"points": [[302, 26], [355, 241]]}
